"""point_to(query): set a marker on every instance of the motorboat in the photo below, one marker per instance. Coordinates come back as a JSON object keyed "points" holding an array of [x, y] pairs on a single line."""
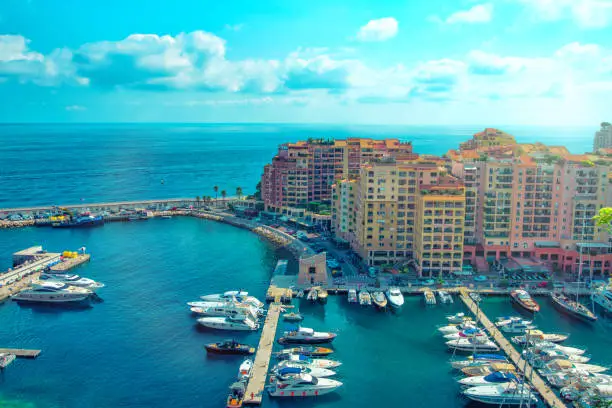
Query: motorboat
{"points": [[379, 299], [53, 292], [457, 318], [471, 332], [303, 385], [508, 393], [312, 362], [539, 357], [72, 280], [456, 328], [288, 368], [496, 377], [486, 369], [572, 308], [472, 344], [322, 295], [233, 295], [479, 359], [538, 335], [475, 297], [236, 395], [6, 359], [228, 309], [523, 299], [564, 378], [517, 326], [445, 297], [244, 371], [603, 297], [429, 297], [238, 323], [554, 346], [229, 347], [300, 294], [352, 296], [305, 335], [364, 298], [506, 320], [293, 317], [308, 351], [556, 366], [396, 299], [313, 294]]}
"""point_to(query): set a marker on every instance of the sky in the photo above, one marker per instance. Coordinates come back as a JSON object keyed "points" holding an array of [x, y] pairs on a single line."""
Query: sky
{"points": [[444, 62]]}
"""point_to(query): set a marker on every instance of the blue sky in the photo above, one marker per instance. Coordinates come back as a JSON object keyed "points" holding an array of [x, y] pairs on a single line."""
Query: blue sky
{"points": [[353, 61]]}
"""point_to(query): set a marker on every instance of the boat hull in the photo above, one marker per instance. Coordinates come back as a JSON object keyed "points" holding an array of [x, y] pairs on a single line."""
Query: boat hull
{"points": [[288, 340], [84, 299], [296, 394], [242, 351], [570, 312], [524, 306]]}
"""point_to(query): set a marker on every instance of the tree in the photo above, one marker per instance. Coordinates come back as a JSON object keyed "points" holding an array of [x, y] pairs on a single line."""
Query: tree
{"points": [[216, 188], [239, 192], [223, 194], [257, 194], [604, 218], [198, 201]]}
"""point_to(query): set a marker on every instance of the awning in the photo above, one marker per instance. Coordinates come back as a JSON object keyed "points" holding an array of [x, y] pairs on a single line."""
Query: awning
{"points": [[547, 244], [591, 245]]}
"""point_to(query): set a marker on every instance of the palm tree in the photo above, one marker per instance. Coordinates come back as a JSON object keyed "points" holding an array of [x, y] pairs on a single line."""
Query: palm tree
{"points": [[223, 195], [216, 188], [198, 201], [239, 192]]}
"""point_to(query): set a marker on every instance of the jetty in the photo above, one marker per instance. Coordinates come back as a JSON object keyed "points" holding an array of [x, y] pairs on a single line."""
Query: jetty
{"points": [[25, 353], [69, 263], [257, 382], [537, 382]]}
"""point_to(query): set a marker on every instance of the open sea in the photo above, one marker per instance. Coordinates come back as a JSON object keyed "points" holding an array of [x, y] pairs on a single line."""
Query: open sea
{"points": [[140, 346]]}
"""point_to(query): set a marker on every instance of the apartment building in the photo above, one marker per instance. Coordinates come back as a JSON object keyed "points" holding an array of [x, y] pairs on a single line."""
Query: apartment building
{"points": [[344, 218], [488, 138], [603, 137]]}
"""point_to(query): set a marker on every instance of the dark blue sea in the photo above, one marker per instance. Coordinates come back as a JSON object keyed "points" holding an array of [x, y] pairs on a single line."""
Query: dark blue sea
{"points": [[70, 164]]}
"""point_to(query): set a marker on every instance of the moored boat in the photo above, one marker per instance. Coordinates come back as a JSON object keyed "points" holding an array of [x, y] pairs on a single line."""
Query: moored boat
{"points": [[6, 359], [445, 297], [305, 335], [486, 369], [455, 328], [313, 294], [236, 395], [303, 385], [322, 295], [472, 332], [293, 317], [472, 344], [364, 298], [238, 323], [603, 297], [524, 300], [479, 359], [312, 362], [556, 366], [379, 299], [502, 394], [308, 351], [572, 307], [229, 347], [496, 377], [53, 292], [233, 296], [352, 296], [457, 318], [396, 299], [287, 368], [538, 335]]}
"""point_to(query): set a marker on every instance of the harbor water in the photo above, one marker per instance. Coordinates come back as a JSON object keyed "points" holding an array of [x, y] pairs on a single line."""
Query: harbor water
{"points": [[140, 347]]}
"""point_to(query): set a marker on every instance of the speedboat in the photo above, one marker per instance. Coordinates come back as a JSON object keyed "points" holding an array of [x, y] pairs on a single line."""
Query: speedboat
{"points": [[429, 297], [486, 369], [475, 297], [457, 318], [456, 328], [445, 297], [472, 344], [231, 295], [308, 351], [303, 385], [293, 317], [495, 377], [244, 371], [322, 295], [603, 297], [364, 298], [286, 368], [572, 307], [539, 357], [6, 359], [556, 366], [313, 294], [228, 309], [305, 335], [53, 292], [479, 359], [379, 300], [554, 346], [472, 332], [236, 395], [502, 394], [565, 378], [396, 299], [72, 280], [352, 296], [517, 326], [507, 320], [524, 300], [229, 347], [536, 335], [239, 323], [312, 362]]}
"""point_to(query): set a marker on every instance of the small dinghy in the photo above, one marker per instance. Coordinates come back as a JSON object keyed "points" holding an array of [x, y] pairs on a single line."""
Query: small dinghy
{"points": [[293, 317], [457, 318]]}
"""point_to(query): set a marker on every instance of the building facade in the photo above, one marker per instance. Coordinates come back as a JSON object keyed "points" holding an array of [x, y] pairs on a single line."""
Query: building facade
{"points": [[603, 137]]}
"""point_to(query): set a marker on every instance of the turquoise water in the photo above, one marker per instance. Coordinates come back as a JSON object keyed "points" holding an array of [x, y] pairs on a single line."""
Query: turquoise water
{"points": [[69, 164]]}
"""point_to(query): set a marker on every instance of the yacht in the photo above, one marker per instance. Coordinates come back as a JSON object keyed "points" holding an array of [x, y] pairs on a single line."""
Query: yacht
{"points": [[429, 297], [227, 309], [305, 335], [322, 295], [231, 295], [6, 359], [502, 394], [312, 362], [293, 317], [72, 280], [486, 369], [472, 332], [603, 297], [524, 300], [313, 294], [479, 359], [352, 296], [244, 371], [572, 307], [236, 395], [456, 328], [379, 299], [240, 323], [445, 297], [53, 292], [396, 299], [536, 335], [547, 345], [496, 377], [556, 366], [457, 318], [538, 358], [518, 326], [364, 298], [308, 351], [472, 344], [287, 369], [565, 378], [303, 385]]}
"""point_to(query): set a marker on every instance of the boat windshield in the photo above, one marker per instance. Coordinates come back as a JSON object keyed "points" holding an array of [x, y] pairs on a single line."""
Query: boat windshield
{"points": [[394, 292]]}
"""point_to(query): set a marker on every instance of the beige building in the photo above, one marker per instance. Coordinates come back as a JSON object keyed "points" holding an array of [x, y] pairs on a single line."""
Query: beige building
{"points": [[603, 137]]}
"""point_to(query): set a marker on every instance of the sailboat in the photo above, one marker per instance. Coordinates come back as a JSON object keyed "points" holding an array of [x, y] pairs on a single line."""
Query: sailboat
{"points": [[572, 307]]}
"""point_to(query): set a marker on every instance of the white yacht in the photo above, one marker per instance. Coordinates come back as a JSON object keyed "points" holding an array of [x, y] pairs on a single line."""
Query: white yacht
{"points": [[517, 326], [472, 332], [239, 323], [457, 318], [303, 385], [72, 280], [556, 366], [286, 369], [352, 296], [306, 335], [456, 328], [232, 295], [502, 394], [396, 299], [313, 362], [603, 297], [547, 345], [52, 292], [472, 344], [496, 377], [227, 309], [6, 359], [445, 297]]}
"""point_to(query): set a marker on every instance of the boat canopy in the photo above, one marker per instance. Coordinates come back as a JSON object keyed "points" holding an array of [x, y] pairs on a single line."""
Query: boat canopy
{"points": [[489, 357], [500, 377], [502, 367], [561, 364], [289, 370], [306, 330], [472, 330], [237, 387]]}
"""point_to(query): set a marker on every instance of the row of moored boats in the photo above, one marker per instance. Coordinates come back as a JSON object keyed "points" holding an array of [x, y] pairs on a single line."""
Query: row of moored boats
{"points": [[59, 288], [392, 297]]}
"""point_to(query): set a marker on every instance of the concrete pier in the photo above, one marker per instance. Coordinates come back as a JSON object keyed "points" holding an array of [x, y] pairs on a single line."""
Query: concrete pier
{"points": [[257, 382], [25, 353], [70, 263], [536, 381]]}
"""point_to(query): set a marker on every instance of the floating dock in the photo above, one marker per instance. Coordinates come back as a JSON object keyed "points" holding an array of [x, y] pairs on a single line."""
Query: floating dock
{"points": [[257, 382], [537, 382], [25, 353], [69, 263]]}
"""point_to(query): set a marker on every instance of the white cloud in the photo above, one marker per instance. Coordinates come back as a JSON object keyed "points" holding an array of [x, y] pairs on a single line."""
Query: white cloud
{"points": [[480, 13], [378, 30], [588, 14], [75, 108], [234, 27]]}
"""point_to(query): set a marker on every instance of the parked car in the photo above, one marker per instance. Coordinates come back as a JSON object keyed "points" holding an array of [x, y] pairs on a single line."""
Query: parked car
{"points": [[480, 278]]}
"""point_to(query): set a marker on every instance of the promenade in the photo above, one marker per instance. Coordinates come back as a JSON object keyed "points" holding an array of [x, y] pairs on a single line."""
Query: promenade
{"points": [[538, 383]]}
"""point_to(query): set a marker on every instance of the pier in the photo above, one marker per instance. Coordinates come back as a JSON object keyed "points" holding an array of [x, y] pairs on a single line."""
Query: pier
{"points": [[257, 382], [25, 353], [537, 382], [70, 263]]}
